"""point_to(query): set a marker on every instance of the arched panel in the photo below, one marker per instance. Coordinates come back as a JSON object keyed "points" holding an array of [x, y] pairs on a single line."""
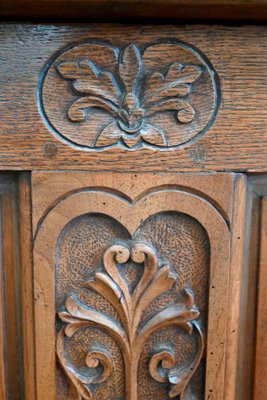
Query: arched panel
{"points": [[166, 293]]}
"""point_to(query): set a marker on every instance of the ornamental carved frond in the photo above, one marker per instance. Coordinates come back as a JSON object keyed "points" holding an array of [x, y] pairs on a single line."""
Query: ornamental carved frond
{"points": [[131, 332], [131, 97], [157, 95]]}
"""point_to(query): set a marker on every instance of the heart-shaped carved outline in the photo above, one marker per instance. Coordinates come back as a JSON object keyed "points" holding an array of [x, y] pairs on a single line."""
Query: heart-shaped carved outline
{"points": [[130, 214]]}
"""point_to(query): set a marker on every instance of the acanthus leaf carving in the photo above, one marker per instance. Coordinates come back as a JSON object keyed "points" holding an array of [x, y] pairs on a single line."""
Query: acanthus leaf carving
{"points": [[162, 366], [158, 95], [89, 80], [131, 333], [176, 82], [98, 362], [130, 97]]}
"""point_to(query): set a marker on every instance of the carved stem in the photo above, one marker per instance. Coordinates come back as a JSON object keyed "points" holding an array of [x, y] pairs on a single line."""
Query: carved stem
{"points": [[131, 370]]}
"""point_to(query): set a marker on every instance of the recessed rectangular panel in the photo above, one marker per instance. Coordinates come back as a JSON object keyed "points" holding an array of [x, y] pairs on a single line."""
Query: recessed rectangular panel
{"points": [[94, 96], [130, 272]]}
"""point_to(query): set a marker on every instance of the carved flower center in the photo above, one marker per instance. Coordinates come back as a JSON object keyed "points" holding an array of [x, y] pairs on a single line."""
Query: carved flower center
{"points": [[131, 126], [131, 115]]}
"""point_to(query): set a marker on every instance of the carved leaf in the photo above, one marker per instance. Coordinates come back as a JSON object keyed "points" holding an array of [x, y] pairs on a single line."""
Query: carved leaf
{"points": [[142, 253], [78, 110], [118, 254], [162, 368], [185, 112], [178, 314], [99, 369], [163, 281], [130, 68], [177, 82], [107, 288], [88, 79], [82, 316], [82, 390], [153, 135], [180, 378], [109, 135], [112, 133]]}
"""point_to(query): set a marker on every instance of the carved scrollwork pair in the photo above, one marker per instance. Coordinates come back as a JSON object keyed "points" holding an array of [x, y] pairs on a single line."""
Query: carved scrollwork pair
{"points": [[131, 333]]}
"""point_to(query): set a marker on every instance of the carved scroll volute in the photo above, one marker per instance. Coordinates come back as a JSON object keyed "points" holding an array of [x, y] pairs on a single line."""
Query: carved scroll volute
{"points": [[130, 334]]}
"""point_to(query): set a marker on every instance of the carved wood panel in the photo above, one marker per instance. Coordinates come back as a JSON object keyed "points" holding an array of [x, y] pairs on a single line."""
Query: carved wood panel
{"points": [[162, 94], [130, 273], [91, 96]]}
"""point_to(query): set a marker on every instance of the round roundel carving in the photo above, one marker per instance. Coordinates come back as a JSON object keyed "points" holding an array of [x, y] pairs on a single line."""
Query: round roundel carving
{"points": [[162, 95]]}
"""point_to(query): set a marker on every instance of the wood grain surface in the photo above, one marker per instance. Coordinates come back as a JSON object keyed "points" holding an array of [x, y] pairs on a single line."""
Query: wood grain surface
{"points": [[236, 141], [11, 324], [216, 10], [26, 282]]}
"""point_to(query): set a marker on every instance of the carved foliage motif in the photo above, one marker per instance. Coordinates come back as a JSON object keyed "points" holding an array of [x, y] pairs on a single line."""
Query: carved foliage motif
{"points": [[130, 99], [131, 332], [162, 95]]}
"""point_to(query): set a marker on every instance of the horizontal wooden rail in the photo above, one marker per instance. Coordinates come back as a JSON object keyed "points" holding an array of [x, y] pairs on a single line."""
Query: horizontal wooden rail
{"points": [[217, 10]]}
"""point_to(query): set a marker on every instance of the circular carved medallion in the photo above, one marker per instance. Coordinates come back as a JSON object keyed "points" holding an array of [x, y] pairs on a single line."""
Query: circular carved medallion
{"points": [[96, 96]]}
